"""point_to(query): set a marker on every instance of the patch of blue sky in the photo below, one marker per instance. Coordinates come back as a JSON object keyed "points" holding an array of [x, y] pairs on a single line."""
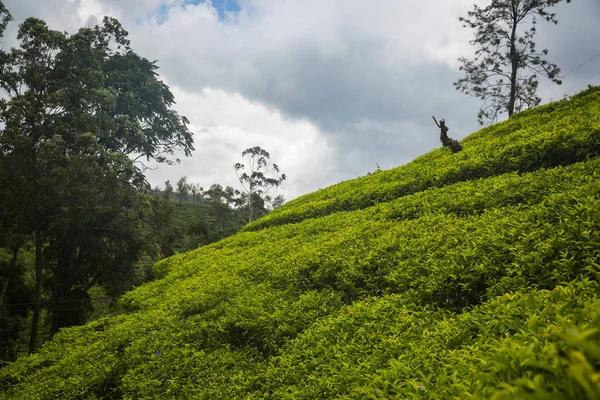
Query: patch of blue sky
{"points": [[223, 8], [162, 14]]}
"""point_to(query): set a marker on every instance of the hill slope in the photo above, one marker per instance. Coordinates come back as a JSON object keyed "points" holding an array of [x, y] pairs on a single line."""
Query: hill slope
{"points": [[454, 276]]}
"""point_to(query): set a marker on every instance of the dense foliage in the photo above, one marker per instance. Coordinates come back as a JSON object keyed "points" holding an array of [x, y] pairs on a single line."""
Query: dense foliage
{"points": [[76, 112], [180, 226], [473, 275]]}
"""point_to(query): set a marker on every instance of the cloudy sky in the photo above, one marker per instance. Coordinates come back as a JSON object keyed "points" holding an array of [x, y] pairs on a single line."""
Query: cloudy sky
{"points": [[330, 88]]}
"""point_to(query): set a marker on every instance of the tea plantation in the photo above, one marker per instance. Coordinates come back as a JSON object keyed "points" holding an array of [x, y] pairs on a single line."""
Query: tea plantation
{"points": [[457, 276]]}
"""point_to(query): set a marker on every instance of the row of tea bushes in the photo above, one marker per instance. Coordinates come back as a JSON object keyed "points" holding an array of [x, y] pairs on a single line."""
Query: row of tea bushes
{"points": [[526, 345]]}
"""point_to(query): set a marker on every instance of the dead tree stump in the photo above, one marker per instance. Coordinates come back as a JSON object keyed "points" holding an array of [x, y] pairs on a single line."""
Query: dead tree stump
{"points": [[446, 141]]}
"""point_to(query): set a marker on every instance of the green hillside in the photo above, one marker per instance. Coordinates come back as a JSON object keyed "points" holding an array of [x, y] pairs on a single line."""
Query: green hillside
{"points": [[468, 275]]}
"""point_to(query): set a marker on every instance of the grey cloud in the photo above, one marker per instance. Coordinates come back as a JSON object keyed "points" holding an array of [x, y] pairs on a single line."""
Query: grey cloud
{"points": [[340, 93], [334, 77], [574, 40], [365, 76], [363, 72]]}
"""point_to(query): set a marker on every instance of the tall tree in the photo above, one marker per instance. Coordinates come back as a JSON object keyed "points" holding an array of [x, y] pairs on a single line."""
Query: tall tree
{"points": [[168, 192], [76, 110], [183, 188], [506, 67], [256, 182], [196, 191]]}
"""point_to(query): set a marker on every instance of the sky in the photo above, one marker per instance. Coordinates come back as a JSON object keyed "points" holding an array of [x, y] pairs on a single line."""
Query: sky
{"points": [[332, 89]]}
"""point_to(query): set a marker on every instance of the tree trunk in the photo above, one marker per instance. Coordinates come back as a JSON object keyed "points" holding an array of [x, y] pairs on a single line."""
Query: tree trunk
{"points": [[4, 288], [37, 307], [15, 253], [56, 299], [514, 62], [250, 207]]}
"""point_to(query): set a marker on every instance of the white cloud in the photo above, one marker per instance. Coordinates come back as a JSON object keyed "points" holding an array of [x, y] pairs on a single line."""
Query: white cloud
{"points": [[226, 124]]}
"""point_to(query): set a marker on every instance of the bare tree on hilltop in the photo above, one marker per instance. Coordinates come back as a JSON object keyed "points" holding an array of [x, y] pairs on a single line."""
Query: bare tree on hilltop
{"points": [[447, 141]]}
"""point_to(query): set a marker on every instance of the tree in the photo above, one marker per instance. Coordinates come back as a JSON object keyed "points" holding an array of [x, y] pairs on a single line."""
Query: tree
{"points": [[506, 67], [278, 201], [220, 201], [256, 183], [196, 191], [14, 294], [168, 192], [183, 188], [164, 232], [77, 112]]}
